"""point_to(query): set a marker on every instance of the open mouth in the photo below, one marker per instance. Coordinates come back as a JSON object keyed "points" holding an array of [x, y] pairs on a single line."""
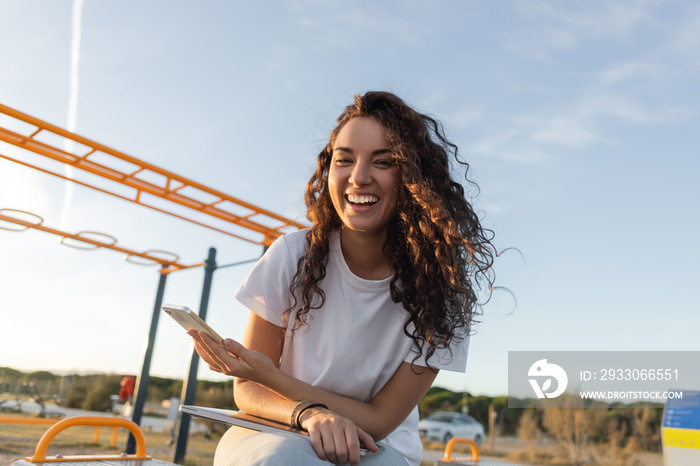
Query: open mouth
{"points": [[364, 200]]}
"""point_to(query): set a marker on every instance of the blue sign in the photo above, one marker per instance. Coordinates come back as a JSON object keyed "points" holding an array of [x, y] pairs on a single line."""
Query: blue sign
{"points": [[683, 413]]}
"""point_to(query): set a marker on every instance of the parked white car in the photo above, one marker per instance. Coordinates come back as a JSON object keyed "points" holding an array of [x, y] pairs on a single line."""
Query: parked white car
{"points": [[442, 426]]}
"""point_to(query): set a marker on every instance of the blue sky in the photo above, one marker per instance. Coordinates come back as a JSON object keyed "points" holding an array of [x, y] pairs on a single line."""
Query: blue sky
{"points": [[579, 120]]}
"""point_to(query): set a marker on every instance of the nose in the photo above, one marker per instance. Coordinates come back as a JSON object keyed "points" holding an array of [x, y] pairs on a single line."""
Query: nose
{"points": [[360, 174]]}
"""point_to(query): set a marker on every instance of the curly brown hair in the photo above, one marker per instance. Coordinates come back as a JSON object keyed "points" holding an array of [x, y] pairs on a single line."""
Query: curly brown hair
{"points": [[440, 252]]}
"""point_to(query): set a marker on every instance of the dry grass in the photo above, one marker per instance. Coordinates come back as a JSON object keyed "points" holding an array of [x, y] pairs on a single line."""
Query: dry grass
{"points": [[532, 453], [19, 440]]}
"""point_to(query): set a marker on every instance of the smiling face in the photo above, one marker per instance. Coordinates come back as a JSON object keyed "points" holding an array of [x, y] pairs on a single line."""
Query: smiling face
{"points": [[363, 180]]}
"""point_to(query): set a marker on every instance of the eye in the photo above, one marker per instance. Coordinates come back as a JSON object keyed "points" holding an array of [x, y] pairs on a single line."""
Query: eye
{"points": [[384, 163], [342, 160]]}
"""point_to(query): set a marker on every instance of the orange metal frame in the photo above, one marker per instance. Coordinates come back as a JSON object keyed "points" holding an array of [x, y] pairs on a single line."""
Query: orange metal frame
{"points": [[27, 420], [450, 446], [143, 178], [42, 420], [149, 257], [114, 422]]}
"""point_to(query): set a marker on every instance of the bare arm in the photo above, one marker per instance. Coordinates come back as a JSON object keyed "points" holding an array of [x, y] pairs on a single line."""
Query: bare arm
{"points": [[252, 397], [269, 392], [334, 438]]}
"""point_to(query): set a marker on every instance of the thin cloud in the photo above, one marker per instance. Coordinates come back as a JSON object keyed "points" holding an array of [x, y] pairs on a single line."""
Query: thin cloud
{"points": [[511, 145], [630, 71], [685, 38], [673, 57], [563, 26], [567, 132], [344, 27], [631, 110]]}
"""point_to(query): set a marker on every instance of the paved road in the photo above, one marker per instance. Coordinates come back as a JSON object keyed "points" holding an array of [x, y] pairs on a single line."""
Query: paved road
{"points": [[433, 456], [158, 424]]}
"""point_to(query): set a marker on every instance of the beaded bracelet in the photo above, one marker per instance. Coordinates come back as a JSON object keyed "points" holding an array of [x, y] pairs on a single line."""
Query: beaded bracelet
{"points": [[312, 405], [291, 419]]}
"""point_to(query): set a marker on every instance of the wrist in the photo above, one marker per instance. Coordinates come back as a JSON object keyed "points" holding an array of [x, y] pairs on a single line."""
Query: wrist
{"points": [[309, 411], [293, 421], [267, 377]]}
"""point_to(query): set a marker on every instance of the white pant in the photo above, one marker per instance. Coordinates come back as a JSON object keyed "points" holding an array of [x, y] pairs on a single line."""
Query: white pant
{"points": [[243, 447]]}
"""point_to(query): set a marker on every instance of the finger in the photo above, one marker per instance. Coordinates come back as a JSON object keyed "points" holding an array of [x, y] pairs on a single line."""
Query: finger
{"points": [[326, 445], [217, 352], [366, 440], [204, 350], [209, 341], [224, 352], [195, 335], [217, 357], [329, 446], [353, 447], [317, 445], [203, 345], [236, 348], [213, 354], [204, 354], [342, 452]]}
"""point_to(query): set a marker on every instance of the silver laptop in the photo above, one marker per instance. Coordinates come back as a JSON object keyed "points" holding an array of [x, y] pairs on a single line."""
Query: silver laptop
{"points": [[241, 419]]}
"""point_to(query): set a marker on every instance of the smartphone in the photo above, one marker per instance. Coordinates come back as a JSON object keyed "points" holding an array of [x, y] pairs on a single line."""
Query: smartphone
{"points": [[190, 320]]}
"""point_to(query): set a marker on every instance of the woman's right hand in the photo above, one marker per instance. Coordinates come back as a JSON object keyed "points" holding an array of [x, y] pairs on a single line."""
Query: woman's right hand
{"points": [[335, 438], [232, 358]]}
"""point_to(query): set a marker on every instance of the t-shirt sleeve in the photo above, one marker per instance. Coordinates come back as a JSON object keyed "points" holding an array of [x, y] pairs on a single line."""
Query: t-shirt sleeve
{"points": [[266, 289], [452, 359]]}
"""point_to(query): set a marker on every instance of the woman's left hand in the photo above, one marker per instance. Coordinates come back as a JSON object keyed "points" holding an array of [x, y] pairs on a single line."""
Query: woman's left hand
{"points": [[335, 438], [233, 358]]}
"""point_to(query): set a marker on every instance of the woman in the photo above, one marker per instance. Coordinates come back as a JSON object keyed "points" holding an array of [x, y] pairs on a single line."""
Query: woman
{"points": [[352, 319]]}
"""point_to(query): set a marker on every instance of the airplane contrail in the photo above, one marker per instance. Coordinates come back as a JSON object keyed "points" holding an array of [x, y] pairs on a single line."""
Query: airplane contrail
{"points": [[72, 107]]}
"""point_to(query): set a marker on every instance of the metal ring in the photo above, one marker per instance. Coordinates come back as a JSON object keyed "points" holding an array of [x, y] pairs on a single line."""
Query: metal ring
{"points": [[88, 247], [138, 260], [41, 220]]}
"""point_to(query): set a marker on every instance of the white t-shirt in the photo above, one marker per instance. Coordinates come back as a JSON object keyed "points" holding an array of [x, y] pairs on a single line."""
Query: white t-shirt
{"points": [[356, 340]]}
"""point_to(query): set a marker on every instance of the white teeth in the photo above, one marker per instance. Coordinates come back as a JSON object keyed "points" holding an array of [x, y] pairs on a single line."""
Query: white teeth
{"points": [[364, 199]]}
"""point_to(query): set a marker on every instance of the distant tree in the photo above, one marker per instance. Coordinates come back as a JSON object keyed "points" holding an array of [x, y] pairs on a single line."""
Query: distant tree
{"points": [[41, 375], [439, 399], [97, 397], [10, 374], [442, 399], [77, 393], [175, 388], [160, 389], [215, 395], [161, 382]]}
